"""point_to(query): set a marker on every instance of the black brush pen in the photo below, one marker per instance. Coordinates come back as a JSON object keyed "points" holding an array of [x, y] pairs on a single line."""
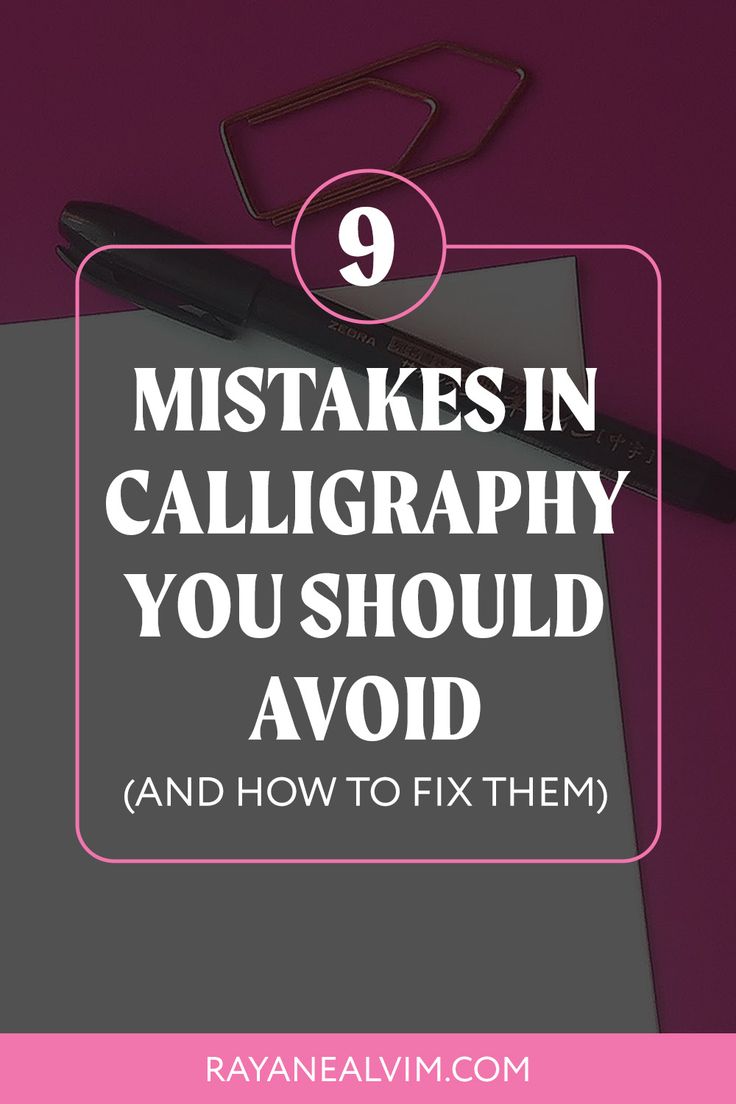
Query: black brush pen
{"points": [[219, 293]]}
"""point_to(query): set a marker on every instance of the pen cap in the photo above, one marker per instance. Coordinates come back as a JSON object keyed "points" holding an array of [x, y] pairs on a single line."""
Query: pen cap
{"points": [[212, 281]]}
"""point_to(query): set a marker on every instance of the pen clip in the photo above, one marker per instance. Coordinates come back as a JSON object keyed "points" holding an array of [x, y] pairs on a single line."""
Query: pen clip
{"points": [[109, 272]]}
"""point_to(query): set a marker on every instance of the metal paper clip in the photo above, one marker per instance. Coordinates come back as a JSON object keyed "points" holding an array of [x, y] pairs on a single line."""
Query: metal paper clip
{"points": [[348, 82]]}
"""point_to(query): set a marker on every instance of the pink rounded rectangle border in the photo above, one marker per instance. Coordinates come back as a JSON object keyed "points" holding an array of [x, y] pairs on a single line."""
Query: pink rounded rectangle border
{"points": [[337, 861]]}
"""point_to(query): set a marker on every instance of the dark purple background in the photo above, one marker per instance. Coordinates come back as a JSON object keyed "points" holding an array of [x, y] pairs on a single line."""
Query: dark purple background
{"points": [[624, 135]]}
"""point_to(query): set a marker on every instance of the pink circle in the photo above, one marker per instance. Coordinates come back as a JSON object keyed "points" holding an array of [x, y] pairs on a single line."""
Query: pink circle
{"points": [[391, 317]]}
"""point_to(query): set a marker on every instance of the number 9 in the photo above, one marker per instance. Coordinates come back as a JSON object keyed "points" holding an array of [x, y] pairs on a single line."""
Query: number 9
{"points": [[381, 246]]}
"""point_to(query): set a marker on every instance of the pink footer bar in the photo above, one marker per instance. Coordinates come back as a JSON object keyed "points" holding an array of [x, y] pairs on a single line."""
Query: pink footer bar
{"points": [[275, 1068]]}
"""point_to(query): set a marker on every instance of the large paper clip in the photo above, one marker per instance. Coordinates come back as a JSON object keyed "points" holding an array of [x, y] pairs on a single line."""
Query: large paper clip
{"points": [[368, 76]]}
